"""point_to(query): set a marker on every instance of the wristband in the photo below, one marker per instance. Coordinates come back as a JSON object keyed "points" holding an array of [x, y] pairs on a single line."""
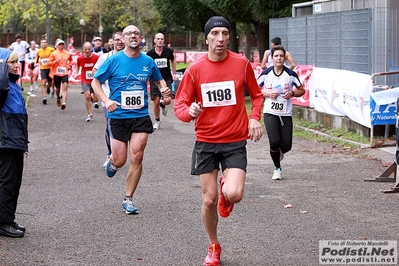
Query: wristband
{"points": [[293, 93]]}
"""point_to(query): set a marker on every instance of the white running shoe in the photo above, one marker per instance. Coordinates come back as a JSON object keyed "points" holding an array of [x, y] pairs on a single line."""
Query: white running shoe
{"points": [[31, 88], [157, 125], [277, 174], [89, 118]]}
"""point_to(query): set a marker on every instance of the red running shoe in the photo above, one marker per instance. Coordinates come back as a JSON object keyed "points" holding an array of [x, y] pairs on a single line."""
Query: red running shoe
{"points": [[225, 207], [213, 257]]}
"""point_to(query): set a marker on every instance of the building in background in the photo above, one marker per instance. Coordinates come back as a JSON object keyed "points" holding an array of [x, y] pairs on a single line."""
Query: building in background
{"points": [[355, 35]]}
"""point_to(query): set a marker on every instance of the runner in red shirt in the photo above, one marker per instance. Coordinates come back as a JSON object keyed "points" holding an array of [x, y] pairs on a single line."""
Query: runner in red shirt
{"points": [[212, 94], [85, 64]]}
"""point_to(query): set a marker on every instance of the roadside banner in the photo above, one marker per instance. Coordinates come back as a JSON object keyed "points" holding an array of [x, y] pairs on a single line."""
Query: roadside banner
{"points": [[304, 72], [341, 93]]}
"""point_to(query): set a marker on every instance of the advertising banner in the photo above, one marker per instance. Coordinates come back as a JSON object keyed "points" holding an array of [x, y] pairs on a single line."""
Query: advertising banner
{"points": [[341, 93]]}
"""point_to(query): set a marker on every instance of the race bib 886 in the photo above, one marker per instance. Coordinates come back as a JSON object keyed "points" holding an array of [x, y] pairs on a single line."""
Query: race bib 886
{"points": [[132, 99]]}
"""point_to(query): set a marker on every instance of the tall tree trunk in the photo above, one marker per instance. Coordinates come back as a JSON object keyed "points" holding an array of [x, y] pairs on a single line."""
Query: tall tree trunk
{"points": [[233, 37], [248, 42], [262, 32], [49, 31]]}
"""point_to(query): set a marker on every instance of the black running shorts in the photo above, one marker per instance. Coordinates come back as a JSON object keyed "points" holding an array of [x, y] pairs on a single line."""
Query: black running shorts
{"points": [[208, 156], [122, 129]]}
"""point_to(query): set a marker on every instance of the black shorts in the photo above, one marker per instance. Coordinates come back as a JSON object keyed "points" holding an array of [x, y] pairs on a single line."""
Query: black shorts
{"points": [[122, 129], [154, 91], [60, 79], [45, 74], [208, 156]]}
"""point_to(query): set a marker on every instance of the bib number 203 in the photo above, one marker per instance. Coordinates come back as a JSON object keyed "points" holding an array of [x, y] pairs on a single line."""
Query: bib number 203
{"points": [[277, 106]]}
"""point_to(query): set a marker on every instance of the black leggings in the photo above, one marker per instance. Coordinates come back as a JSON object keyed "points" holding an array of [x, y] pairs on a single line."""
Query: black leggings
{"points": [[279, 132]]}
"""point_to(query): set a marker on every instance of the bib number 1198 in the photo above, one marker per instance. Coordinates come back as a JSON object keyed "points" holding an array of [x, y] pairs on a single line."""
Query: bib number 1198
{"points": [[218, 94]]}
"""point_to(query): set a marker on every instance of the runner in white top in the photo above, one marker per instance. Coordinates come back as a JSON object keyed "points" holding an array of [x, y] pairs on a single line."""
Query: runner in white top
{"points": [[277, 85], [33, 68], [21, 48], [118, 46]]}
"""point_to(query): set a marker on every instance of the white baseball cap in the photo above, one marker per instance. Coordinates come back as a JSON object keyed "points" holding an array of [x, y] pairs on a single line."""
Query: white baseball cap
{"points": [[59, 41]]}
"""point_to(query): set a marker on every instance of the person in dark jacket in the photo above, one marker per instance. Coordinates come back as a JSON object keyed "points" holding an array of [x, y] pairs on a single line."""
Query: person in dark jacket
{"points": [[13, 142]]}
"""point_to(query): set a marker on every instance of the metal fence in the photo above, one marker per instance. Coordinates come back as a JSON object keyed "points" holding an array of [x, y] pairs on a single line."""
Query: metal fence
{"points": [[362, 40]]}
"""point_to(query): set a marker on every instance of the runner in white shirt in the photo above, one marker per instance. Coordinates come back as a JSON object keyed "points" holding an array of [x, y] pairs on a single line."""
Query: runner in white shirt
{"points": [[277, 85], [21, 48], [118, 46], [33, 68]]}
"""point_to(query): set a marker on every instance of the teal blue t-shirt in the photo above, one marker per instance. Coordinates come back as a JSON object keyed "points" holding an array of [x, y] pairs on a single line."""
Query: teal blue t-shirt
{"points": [[127, 79]]}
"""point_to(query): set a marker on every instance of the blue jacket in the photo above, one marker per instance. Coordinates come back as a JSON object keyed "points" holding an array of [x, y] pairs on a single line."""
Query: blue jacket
{"points": [[14, 117]]}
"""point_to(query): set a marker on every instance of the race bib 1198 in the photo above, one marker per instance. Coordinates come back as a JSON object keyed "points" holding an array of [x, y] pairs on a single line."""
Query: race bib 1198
{"points": [[218, 94]]}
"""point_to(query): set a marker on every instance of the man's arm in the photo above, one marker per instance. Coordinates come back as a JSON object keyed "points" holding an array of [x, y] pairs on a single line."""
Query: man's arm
{"points": [[289, 58], [263, 65], [174, 70], [185, 106], [52, 59], [254, 126], [163, 87], [75, 70], [110, 105]]}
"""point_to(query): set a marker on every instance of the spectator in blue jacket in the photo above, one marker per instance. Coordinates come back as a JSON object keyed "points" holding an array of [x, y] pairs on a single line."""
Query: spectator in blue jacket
{"points": [[13, 142]]}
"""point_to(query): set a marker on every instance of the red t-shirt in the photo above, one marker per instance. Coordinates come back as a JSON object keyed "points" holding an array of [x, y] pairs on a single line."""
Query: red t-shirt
{"points": [[219, 86], [87, 64]]}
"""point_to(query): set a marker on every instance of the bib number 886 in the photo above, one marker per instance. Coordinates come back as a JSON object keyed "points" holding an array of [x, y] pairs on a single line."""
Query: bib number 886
{"points": [[133, 100]]}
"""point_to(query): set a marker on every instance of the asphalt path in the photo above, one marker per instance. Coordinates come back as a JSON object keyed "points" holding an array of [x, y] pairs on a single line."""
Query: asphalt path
{"points": [[73, 211]]}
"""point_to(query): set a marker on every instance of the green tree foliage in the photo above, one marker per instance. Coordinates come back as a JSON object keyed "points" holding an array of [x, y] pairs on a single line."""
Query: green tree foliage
{"points": [[19, 13], [188, 13], [63, 16], [193, 14], [263, 10]]}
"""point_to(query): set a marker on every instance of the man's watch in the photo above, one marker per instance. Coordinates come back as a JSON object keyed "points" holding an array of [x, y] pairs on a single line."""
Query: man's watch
{"points": [[293, 93]]}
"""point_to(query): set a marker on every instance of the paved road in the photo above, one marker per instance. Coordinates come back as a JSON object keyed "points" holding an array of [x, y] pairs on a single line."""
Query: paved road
{"points": [[73, 212]]}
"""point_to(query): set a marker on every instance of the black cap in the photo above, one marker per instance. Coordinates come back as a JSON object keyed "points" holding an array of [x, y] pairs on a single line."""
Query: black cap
{"points": [[216, 21]]}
